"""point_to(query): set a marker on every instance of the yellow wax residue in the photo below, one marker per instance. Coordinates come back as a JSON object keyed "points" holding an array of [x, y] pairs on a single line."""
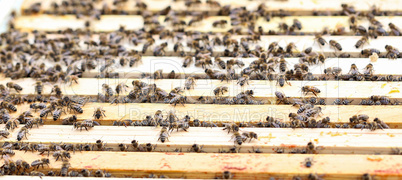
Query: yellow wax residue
{"points": [[314, 1], [391, 135], [268, 137], [394, 90], [374, 158], [336, 134], [321, 133], [383, 85], [316, 140]]}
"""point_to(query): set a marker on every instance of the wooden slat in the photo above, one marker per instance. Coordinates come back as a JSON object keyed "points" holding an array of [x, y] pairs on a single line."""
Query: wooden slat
{"points": [[294, 7], [151, 63], [301, 42], [228, 113], [57, 178], [327, 141], [311, 24], [200, 165], [263, 90]]}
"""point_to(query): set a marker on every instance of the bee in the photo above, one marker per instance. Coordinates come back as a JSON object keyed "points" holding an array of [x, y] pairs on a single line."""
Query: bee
{"points": [[164, 134], [40, 162], [312, 89], [281, 98], [61, 155], [21, 164], [36, 121], [233, 62], [57, 90], [227, 175], [290, 47], [149, 42], [158, 74], [361, 42], [4, 133], [353, 70], [394, 30], [123, 147], [250, 135], [369, 52], [38, 87], [99, 113], [139, 84], [64, 168], [281, 80], [220, 90], [333, 71], [282, 65], [320, 40], [220, 23], [297, 24], [70, 79], [392, 52], [196, 148], [368, 70], [335, 45], [8, 106], [107, 89], [308, 162], [57, 113], [243, 80], [160, 49], [366, 176], [15, 86], [22, 133], [85, 124], [220, 63], [187, 61], [178, 99], [230, 127], [238, 138], [121, 87], [190, 83]]}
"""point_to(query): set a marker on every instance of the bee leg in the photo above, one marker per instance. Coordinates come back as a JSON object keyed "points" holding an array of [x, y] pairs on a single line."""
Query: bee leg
{"points": [[314, 93]]}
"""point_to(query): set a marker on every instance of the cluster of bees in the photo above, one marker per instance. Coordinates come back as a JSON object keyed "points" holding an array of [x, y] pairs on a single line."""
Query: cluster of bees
{"points": [[70, 57], [21, 167]]}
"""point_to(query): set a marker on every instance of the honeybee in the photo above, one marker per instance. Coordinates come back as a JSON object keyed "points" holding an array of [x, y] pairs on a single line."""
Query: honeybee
{"points": [[320, 40], [190, 83], [333, 70], [22, 133], [230, 127], [40, 162], [38, 87], [334, 44], [281, 80], [99, 113], [243, 80], [107, 89], [368, 70], [238, 138], [220, 23], [361, 42], [353, 70], [250, 135], [187, 61], [220, 90], [369, 52], [15, 86], [281, 98], [164, 134], [196, 148], [392, 52], [220, 62], [312, 89]]}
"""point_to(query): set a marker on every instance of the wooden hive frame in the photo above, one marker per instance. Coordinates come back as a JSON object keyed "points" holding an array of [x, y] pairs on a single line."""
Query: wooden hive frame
{"points": [[336, 152]]}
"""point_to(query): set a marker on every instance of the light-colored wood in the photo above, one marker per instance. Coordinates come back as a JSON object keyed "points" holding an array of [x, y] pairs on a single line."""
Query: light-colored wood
{"points": [[295, 7], [270, 140], [301, 42], [263, 90], [57, 178], [52, 23], [201, 165], [227, 113], [311, 24], [149, 64]]}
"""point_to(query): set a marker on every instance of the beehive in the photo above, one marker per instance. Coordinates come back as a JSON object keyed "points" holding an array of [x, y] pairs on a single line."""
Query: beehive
{"points": [[88, 48]]}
